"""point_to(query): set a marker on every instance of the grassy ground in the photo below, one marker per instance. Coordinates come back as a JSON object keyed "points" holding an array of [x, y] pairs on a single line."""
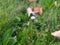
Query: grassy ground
{"points": [[13, 20]]}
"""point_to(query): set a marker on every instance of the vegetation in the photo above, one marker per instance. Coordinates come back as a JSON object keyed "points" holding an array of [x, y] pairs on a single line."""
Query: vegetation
{"points": [[13, 23]]}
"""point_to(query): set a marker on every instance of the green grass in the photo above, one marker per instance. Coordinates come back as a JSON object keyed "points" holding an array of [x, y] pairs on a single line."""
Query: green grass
{"points": [[13, 20]]}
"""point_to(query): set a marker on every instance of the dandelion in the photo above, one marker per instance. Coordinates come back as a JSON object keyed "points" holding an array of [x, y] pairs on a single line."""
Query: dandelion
{"points": [[33, 17], [55, 3]]}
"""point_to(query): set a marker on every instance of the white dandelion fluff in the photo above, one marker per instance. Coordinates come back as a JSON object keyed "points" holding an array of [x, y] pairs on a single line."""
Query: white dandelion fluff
{"points": [[55, 3], [33, 17]]}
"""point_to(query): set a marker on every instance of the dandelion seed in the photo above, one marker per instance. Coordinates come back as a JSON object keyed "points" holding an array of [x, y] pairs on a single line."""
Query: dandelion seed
{"points": [[55, 3], [33, 17]]}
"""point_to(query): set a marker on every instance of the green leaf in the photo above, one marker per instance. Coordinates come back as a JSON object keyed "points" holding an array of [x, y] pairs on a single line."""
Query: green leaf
{"points": [[7, 36]]}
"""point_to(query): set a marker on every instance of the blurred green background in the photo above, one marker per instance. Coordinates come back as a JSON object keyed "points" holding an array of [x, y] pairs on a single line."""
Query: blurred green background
{"points": [[13, 20]]}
